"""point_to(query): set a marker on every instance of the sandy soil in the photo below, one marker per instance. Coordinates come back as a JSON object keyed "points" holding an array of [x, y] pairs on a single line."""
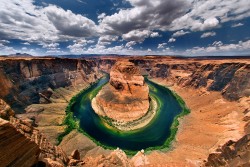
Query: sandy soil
{"points": [[211, 123]]}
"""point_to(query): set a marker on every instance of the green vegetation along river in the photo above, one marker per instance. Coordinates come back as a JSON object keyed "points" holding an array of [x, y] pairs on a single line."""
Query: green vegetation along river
{"points": [[156, 135]]}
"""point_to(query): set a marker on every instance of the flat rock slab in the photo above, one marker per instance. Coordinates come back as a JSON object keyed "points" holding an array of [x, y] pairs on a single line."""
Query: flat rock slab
{"points": [[75, 140], [52, 132]]}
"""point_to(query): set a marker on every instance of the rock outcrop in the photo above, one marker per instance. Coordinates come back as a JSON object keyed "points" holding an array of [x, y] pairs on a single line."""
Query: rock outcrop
{"points": [[29, 81], [117, 158], [16, 148], [37, 145], [126, 97], [231, 154], [5, 111]]}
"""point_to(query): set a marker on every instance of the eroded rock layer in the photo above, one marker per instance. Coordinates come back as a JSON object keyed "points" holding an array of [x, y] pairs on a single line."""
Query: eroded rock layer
{"points": [[126, 96], [29, 81], [231, 154], [16, 149], [5, 110], [216, 91]]}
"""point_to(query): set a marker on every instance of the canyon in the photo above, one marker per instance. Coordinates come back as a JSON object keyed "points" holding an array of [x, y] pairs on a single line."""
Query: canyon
{"points": [[216, 132]]}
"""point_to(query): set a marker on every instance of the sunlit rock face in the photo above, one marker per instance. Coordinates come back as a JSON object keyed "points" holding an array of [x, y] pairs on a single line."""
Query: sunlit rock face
{"points": [[126, 96]]}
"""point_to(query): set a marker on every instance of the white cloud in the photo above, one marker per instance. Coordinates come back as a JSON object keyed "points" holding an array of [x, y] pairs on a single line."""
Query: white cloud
{"points": [[70, 24], [29, 24], [83, 41], [217, 43], [208, 24], [107, 39], [219, 48], [237, 25], [130, 44], [81, 1], [161, 45], [50, 24], [76, 48], [26, 43], [139, 35], [154, 34], [79, 45], [136, 35], [4, 50], [55, 52], [4, 41], [208, 34], [195, 15], [144, 15], [120, 50], [101, 16], [171, 40], [50, 45], [205, 15], [25, 21], [180, 33]]}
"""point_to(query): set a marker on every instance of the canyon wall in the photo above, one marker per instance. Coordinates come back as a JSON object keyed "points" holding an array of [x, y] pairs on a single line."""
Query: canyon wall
{"points": [[232, 79], [29, 81]]}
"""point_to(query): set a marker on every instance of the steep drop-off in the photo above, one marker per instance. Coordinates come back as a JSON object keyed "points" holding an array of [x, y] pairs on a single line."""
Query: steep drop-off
{"points": [[216, 91], [229, 77], [28, 81]]}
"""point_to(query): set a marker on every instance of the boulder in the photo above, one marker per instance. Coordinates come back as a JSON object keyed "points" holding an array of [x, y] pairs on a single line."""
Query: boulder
{"points": [[75, 155]]}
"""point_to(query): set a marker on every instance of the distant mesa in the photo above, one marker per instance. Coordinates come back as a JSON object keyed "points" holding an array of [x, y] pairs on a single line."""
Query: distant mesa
{"points": [[126, 97], [20, 55]]}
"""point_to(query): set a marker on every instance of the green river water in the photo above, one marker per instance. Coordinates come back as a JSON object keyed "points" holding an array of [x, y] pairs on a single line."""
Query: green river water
{"points": [[157, 134]]}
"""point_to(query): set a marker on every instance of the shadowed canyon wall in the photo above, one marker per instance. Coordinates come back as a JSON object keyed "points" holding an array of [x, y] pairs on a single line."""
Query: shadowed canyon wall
{"points": [[25, 82], [32, 81]]}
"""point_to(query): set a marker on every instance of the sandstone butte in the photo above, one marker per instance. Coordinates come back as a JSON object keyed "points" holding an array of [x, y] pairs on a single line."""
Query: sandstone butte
{"points": [[126, 97]]}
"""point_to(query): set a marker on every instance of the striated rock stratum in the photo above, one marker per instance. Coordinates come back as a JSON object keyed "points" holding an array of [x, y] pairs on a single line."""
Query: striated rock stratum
{"points": [[126, 97], [217, 91]]}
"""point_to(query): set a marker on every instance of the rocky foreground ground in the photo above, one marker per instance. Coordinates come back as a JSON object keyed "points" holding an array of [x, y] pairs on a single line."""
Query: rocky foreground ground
{"points": [[37, 91]]}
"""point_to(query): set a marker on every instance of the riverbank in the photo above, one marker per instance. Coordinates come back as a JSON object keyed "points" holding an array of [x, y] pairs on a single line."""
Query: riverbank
{"points": [[212, 122], [69, 121]]}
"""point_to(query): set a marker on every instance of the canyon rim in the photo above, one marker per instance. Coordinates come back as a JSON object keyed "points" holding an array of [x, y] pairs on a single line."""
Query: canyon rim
{"points": [[214, 83], [125, 83]]}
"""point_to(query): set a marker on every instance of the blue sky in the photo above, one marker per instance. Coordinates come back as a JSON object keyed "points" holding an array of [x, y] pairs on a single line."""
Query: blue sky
{"points": [[134, 27]]}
